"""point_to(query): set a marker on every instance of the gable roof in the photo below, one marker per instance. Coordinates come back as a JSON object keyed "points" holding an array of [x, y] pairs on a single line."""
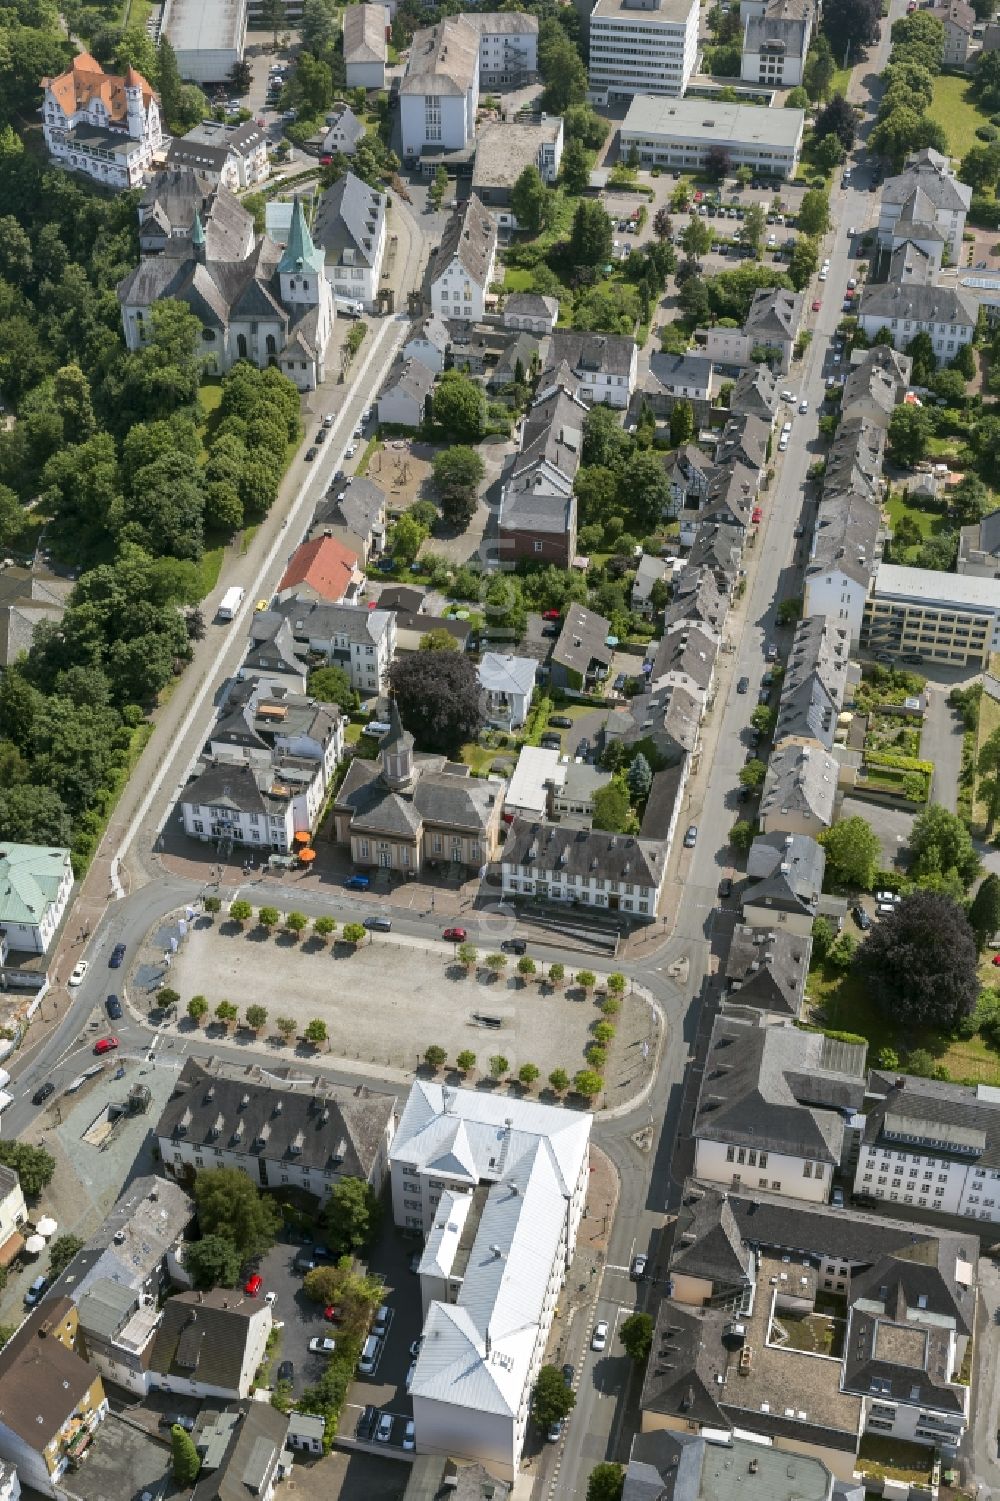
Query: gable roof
{"points": [[42, 1379], [85, 80], [584, 852], [324, 565], [350, 216], [815, 681], [251, 1439], [444, 59], [607, 354], [767, 968], [774, 314], [364, 34], [583, 640], [203, 1337], [785, 872], [802, 780], [471, 235]]}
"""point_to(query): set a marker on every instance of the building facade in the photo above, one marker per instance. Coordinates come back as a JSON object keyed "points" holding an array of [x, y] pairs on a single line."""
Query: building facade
{"points": [[945, 617], [439, 94], [681, 133], [642, 47], [102, 124], [35, 886]]}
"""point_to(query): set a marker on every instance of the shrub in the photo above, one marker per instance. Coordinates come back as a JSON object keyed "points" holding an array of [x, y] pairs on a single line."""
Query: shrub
{"points": [[587, 1082], [604, 1032], [240, 911], [527, 1074], [268, 917], [315, 1033], [597, 1056], [467, 954], [586, 979], [324, 927], [499, 1065], [353, 933], [466, 1061], [256, 1017], [559, 1080], [212, 904], [287, 1027], [435, 1056], [226, 1012], [496, 963], [197, 1008], [557, 973], [616, 984], [296, 923], [611, 1005]]}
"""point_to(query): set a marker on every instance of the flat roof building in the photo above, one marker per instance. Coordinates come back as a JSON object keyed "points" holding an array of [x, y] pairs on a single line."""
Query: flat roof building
{"points": [[208, 36], [943, 617], [642, 47], [679, 133]]}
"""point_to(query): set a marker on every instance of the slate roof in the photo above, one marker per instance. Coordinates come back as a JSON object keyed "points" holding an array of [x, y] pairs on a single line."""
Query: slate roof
{"points": [[716, 549], [531, 305], [364, 34], [359, 507], [767, 968], [775, 313], [254, 1446], [432, 329], [960, 1122], [350, 214], [670, 716], [471, 235], [611, 354], [439, 796], [931, 172], [878, 376], [778, 1088], [244, 789], [755, 393], [410, 378], [708, 1241], [800, 780], [345, 124], [171, 201], [732, 489], [815, 681], [209, 144], [131, 1244], [679, 372], [584, 852], [979, 547], [203, 1337], [660, 803], [922, 304], [314, 1123], [686, 464], [785, 872], [743, 441], [583, 640], [686, 651], [545, 467], [697, 597], [444, 59]]}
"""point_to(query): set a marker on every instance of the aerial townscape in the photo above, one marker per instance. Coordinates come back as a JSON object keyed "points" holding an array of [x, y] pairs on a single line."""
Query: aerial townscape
{"points": [[499, 750]]}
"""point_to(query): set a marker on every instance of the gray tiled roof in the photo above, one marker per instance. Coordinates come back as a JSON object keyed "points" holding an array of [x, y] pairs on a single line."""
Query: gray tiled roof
{"points": [[439, 796], [253, 1450], [755, 392], [664, 1466], [323, 1126], [470, 234], [923, 171], [583, 640], [716, 548], [670, 372], [350, 215], [767, 968], [879, 376], [919, 303], [744, 441], [686, 650], [801, 780], [774, 314], [732, 488], [979, 548], [697, 597], [955, 1121], [778, 1088], [203, 1337], [608, 353], [364, 34], [584, 852], [815, 681], [785, 872]]}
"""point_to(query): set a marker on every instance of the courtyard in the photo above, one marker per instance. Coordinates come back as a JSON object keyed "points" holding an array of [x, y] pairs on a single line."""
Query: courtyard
{"points": [[385, 1003]]}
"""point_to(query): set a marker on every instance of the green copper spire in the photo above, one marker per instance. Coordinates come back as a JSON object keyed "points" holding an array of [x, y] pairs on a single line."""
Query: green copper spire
{"points": [[197, 230], [300, 253]]}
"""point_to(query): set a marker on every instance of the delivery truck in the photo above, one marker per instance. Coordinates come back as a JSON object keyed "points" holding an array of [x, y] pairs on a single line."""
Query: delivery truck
{"points": [[231, 601]]}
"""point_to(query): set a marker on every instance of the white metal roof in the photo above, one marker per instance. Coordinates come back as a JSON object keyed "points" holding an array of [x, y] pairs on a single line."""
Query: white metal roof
{"points": [[535, 766]]}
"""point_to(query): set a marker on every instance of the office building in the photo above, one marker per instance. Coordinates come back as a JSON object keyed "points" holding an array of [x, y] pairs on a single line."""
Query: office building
{"points": [[642, 47], [680, 133]]}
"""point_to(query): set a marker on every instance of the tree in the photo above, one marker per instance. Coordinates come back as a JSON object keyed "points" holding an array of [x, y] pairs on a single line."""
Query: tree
{"points": [[921, 352], [406, 539], [561, 68], [467, 954], [590, 238], [940, 842], [459, 406], [61, 1253], [352, 1217], [287, 1027], [852, 853], [612, 810], [526, 968], [803, 261], [681, 423], [465, 1061], [717, 162], [229, 1205], [315, 1033], [586, 979], [984, 913], [499, 1066], [637, 1336], [920, 962], [324, 927], [184, 1461], [439, 186], [559, 1080], [838, 118], [557, 974], [819, 70], [980, 168], [527, 1074], [663, 226], [33, 1165], [696, 237], [640, 778], [829, 152], [458, 473], [226, 1012], [212, 905], [272, 16], [435, 1056], [256, 1017], [240, 911], [437, 694], [552, 1399], [910, 429], [850, 23], [742, 835], [213, 1261], [822, 938], [197, 1008], [332, 685], [353, 933], [903, 131], [575, 167], [754, 223], [531, 201], [268, 917], [814, 213], [753, 773], [588, 1082], [606, 1482], [296, 923]]}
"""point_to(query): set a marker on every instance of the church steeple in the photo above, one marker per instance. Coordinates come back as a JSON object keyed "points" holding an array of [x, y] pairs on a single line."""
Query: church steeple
{"points": [[300, 254], [396, 752]]}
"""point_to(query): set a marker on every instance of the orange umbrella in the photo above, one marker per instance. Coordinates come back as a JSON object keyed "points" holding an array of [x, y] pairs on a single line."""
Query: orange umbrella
{"points": [[307, 856], [302, 837]]}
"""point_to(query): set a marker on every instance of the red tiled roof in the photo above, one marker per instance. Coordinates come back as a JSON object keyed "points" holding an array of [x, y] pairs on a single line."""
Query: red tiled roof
{"points": [[325, 565]]}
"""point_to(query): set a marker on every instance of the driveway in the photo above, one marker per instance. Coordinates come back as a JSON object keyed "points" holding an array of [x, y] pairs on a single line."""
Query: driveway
{"points": [[301, 1317], [941, 742]]}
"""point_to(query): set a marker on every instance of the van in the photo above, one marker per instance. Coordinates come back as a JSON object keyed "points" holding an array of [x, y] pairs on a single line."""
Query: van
{"points": [[380, 1323], [370, 1355], [376, 727]]}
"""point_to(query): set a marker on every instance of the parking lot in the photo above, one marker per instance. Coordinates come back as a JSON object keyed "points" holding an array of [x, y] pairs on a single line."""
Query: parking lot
{"points": [[301, 1318]]}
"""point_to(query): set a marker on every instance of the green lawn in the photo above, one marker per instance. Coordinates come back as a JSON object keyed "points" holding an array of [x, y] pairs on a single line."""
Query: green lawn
{"points": [[210, 400], [211, 567], [840, 80], [953, 109], [929, 520], [515, 279]]}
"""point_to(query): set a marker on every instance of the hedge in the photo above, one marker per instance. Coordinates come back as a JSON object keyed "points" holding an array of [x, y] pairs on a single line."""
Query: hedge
{"points": [[893, 762]]}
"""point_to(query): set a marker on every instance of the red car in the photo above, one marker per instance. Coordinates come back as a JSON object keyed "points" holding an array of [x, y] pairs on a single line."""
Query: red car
{"points": [[756, 515], [106, 1045], [253, 1285], [333, 1314], [325, 161], [996, 959], [550, 615], [455, 935], [817, 305]]}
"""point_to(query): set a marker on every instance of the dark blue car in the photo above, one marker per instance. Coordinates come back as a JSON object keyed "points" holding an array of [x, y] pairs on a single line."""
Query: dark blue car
{"points": [[117, 955], [358, 883]]}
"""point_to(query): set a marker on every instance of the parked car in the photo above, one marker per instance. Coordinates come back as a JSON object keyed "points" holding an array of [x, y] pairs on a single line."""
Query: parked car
{"points": [[862, 919], [177, 1420], [333, 1314], [599, 1338], [35, 1291], [455, 935], [383, 1432], [379, 924], [567, 1375], [253, 1285], [560, 721], [322, 1344], [837, 1198], [113, 1007], [105, 1045], [43, 1091], [743, 685], [286, 1371], [410, 1435], [691, 837], [550, 630], [410, 1374], [80, 973], [554, 1431], [551, 742], [756, 515], [358, 883], [304, 1262], [726, 886], [117, 955], [583, 748], [514, 946], [638, 1268], [550, 614], [311, 454], [772, 652], [367, 1422]]}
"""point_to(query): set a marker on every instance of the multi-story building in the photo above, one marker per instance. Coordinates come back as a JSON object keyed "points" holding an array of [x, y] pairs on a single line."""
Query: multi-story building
{"points": [[946, 314], [403, 399], [680, 133], [768, 334], [581, 657], [229, 156], [845, 548], [595, 367], [351, 228], [362, 642], [926, 191], [642, 47], [260, 806], [208, 40], [508, 47], [767, 969], [537, 519], [945, 617], [354, 514], [261, 722], [747, 1273], [242, 1449], [307, 1132], [365, 48], [800, 789], [504, 150], [507, 683], [102, 124], [933, 1145], [814, 690], [784, 882], [775, 43], [463, 264], [773, 1107], [876, 383], [587, 867], [959, 22], [323, 571], [210, 1344], [36, 883], [439, 94], [498, 1187], [13, 1213], [979, 548]]}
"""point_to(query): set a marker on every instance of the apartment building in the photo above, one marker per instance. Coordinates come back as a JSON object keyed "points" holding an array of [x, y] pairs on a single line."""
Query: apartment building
{"points": [[361, 642], [979, 548], [229, 156], [304, 1132], [36, 883], [766, 969], [784, 882], [439, 94], [581, 657], [261, 723], [642, 47], [508, 47], [365, 48], [944, 617], [463, 264], [876, 383], [932, 1145], [498, 1188], [351, 227], [814, 689], [595, 367], [260, 806], [946, 314], [680, 133], [800, 790], [588, 867], [354, 513], [210, 1344], [926, 191], [776, 42], [767, 336], [537, 519], [745, 1270], [773, 1107], [959, 22], [845, 548]]}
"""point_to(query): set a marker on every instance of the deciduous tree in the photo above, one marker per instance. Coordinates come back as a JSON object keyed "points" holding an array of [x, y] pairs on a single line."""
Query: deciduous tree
{"points": [[552, 1399], [920, 962], [214, 1261], [351, 1217], [229, 1205], [438, 698], [852, 853]]}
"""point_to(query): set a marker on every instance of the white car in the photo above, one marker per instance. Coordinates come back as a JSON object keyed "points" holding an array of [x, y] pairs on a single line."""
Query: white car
{"points": [[271, 1298], [80, 973], [350, 450], [782, 444], [822, 275], [852, 282], [384, 1430], [888, 896], [410, 1374], [788, 396], [322, 1345], [786, 427], [410, 1435], [599, 1338]]}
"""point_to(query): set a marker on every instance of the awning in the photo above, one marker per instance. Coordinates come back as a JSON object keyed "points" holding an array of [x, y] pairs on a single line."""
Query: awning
{"points": [[11, 1248]]}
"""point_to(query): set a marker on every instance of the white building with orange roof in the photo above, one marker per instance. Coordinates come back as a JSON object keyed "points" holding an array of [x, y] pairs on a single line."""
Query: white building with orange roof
{"points": [[103, 124]]}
